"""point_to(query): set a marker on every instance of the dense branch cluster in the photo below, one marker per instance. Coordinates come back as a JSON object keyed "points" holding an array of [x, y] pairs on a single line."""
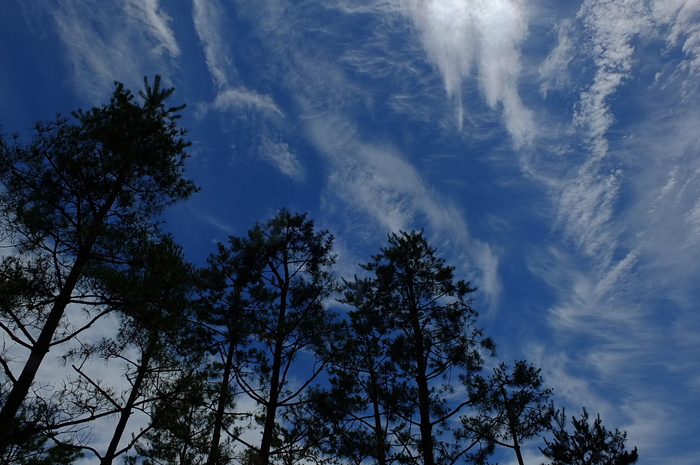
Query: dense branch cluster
{"points": [[260, 357]]}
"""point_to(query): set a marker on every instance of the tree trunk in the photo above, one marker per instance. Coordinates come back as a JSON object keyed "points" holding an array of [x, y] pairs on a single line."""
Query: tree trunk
{"points": [[518, 454], [271, 407], [128, 408], [426, 427], [21, 388], [215, 452], [379, 440], [275, 382]]}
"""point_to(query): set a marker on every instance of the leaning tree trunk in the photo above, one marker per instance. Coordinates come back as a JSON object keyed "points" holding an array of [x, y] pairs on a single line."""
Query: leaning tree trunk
{"points": [[215, 451]]}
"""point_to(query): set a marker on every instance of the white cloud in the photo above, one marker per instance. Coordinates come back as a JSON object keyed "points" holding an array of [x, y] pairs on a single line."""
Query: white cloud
{"points": [[588, 197], [383, 188], [150, 14], [570, 388], [377, 180], [554, 71], [207, 16], [663, 193], [281, 156], [486, 35], [208, 20], [107, 42], [658, 157], [681, 17], [612, 26], [235, 98], [586, 207]]}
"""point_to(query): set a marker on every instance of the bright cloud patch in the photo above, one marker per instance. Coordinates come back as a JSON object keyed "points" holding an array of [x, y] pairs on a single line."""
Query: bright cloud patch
{"points": [[481, 37], [231, 99]]}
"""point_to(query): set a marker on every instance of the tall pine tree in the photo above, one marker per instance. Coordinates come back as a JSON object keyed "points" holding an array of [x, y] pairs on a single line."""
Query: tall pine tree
{"points": [[424, 323], [279, 280], [76, 195]]}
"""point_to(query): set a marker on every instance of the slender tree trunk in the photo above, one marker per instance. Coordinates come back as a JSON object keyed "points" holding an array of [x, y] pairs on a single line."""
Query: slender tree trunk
{"points": [[379, 440], [128, 408], [272, 404], [512, 421], [518, 454], [275, 381], [425, 426], [215, 452]]}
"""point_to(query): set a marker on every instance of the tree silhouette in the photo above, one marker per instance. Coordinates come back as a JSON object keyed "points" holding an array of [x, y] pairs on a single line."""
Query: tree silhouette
{"points": [[286, 263], [424, 323], [513, 406], [587, 444], [78, 194]]}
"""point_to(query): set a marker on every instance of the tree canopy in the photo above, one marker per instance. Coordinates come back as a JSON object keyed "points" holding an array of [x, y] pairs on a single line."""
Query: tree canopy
{"points": [[75, 198], [260, 357]]}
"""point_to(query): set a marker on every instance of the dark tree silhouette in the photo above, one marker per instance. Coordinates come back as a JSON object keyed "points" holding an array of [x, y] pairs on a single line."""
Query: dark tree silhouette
{"points": [[425, 325], [155, 346], [75, 196], [513, 407], [587, 444], [286, 266]]}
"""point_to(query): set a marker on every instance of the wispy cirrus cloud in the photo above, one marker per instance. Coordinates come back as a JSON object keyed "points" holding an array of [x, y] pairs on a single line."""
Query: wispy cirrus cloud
{"points": [[612, 26], [653, 166], [208, 16], [375, 179], [108, 41], [282, 157], [609, 32], [239, 97], [154, 19], [588, 197], [628, 205], [680, 16]]}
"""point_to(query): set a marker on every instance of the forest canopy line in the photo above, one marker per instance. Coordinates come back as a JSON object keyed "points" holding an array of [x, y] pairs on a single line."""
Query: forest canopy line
{"points": [[246, 360]]}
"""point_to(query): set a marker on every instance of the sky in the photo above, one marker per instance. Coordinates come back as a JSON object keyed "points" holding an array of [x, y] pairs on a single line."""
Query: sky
{"points": [[550, 149]]}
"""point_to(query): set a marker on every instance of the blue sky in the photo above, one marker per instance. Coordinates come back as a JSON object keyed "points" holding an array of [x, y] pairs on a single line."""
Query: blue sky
{"points": [[550, 149]]}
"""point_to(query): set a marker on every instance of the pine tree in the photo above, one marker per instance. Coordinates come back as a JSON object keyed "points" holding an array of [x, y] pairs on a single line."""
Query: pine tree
{"points": [[280, 278], [76, 196], [424, 324], [513, 406], [587, 444], [155, 347]]}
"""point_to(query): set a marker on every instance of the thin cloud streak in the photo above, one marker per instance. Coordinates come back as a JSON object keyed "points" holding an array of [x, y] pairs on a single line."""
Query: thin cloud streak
{"points": [[156, 21], [281, 156], [207, 16], [232, 99], [377, 180]]}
